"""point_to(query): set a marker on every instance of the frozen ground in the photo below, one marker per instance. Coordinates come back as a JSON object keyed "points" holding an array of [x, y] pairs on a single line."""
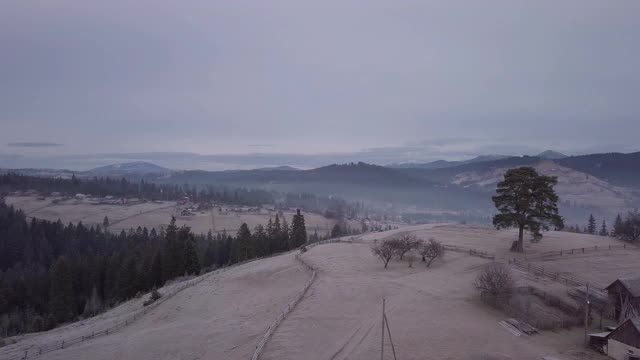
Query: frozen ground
{"points": [[433, 313], [223, 317], [156, 215]]}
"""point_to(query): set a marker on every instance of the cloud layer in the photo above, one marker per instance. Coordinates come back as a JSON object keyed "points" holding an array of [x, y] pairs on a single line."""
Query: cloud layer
{"points": [[219, 77]]}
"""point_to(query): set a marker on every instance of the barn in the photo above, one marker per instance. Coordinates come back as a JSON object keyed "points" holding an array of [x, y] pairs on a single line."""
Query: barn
{"points": [[625, 289], [623, 343]]}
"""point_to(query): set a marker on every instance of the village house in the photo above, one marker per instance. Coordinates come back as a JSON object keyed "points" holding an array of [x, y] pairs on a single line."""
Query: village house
{"points": [[623, 290], [623, 343]]}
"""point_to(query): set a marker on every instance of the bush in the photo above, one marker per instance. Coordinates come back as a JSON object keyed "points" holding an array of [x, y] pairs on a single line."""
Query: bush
{"points": [[155, 296], [495, 282]]}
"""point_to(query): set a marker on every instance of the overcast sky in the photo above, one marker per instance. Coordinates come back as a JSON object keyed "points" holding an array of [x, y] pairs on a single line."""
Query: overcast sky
{"points": [[405, 80]]}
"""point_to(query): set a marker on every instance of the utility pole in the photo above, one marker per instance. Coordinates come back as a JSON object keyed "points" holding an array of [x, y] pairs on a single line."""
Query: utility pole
{"points": [[382, 328], [586, 316]]}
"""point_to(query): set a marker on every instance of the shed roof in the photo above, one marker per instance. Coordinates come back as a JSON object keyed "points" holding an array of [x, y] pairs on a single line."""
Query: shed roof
{"points": [[632, 284], [635, 322]]}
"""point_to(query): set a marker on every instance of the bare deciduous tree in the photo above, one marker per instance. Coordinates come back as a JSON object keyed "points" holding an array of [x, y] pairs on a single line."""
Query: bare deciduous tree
{"points": [[404, 244], [431, 250], [495, 280], [385, 250]]}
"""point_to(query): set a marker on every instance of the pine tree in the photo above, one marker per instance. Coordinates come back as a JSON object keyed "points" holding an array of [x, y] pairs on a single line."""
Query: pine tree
{"points": [[526, 200], [276, 235], [127, 286], [618, 226], [591, 226], [284, 235], [171, 266], [242, 244], [156, 271], [603, 229], [298, 231], [93, 304], [105, 222], [61, 291], [336, 231], [191, 262]]}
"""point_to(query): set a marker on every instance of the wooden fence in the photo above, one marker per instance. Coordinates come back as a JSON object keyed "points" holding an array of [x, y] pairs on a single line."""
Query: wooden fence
{"points": [[37, 351], [470, 251], [553, 275], [579, 251], [274, 326]]}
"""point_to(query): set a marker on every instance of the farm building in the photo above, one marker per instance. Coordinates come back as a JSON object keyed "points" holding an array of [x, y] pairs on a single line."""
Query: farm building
{"points": [[623, 343], [624, 290]]}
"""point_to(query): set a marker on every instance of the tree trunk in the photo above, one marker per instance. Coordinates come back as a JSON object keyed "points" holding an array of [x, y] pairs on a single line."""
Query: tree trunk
{"points": [[517, 246]]}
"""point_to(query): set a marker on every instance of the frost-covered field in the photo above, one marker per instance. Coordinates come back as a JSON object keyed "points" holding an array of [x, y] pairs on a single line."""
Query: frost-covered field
{"points": [[433, 313], [157, 214]]}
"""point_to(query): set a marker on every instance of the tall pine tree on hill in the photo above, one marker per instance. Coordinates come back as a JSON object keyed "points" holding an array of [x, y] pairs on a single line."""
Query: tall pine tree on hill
{"points": [[618, 226], [191, 261], [591, 226], [298, 235], [603, 229]]}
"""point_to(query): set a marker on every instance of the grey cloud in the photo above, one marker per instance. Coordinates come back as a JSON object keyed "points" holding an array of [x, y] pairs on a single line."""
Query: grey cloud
{"points": [[33, 144], [323, 77]]}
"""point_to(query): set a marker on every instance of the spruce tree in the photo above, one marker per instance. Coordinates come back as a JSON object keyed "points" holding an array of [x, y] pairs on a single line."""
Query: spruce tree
{"points": [[61, 291], [284, 235], [127, 286], [603, 229], [170, 264], [242, 244], [191, 262], [298, 230], [156, 271], [336, 231], [105, 222], [591, 226], [618, 226]]}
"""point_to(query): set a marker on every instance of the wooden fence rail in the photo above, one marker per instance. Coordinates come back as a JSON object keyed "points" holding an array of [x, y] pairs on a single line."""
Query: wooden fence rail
{"points": [[553, 275], [274, 326], [578, 251]]}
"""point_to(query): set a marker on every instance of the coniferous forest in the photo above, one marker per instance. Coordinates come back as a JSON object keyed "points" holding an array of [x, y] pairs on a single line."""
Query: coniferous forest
{"points": [[52, 273], [142, 189]]}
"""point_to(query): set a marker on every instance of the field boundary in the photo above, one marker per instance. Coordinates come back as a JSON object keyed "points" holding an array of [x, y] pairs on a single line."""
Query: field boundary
{"points": [[470, 251], [291, 306], [579, 251], [552, 275]]}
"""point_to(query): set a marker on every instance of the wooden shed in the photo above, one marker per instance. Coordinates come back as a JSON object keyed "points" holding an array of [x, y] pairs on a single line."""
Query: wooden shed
{"points": [[623, 343], [628, 289]]}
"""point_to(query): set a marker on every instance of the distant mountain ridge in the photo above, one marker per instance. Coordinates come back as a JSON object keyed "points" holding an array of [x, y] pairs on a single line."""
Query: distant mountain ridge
{"points": [[130, 168], [551, 155], [441, 164]]}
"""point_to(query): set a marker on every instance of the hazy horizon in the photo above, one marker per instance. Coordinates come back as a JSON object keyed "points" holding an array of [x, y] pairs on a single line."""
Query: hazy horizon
{"points": [[416, 82]]}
